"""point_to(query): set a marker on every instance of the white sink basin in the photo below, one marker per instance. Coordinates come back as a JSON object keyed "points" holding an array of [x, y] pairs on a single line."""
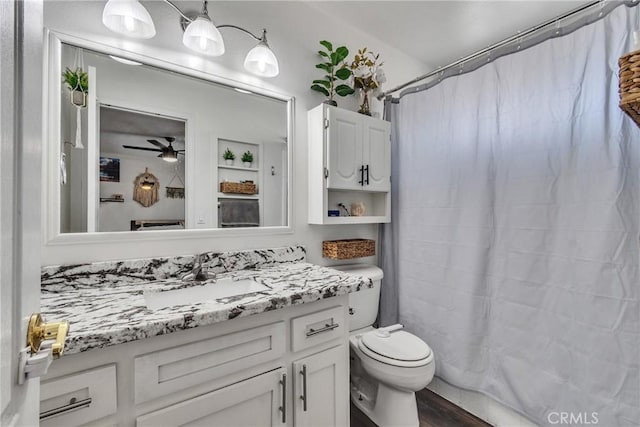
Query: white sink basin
{"points": [[223, 288]]}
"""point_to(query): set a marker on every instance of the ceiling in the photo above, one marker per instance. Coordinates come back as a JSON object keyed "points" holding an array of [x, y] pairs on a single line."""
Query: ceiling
{"points": [[122, 127], [440, 32]]}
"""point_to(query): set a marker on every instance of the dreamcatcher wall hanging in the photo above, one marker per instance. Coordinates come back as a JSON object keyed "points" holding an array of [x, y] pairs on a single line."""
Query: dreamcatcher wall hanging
{"points": [[175, 192], [145, 188], [77, 81]]}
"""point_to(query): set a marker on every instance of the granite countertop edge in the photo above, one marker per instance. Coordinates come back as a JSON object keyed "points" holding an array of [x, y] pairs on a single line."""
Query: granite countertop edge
{"points": [[109, 313]]}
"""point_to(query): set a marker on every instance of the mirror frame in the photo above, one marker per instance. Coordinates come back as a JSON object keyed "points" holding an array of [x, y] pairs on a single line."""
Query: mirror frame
{"points": [[52, 85]]}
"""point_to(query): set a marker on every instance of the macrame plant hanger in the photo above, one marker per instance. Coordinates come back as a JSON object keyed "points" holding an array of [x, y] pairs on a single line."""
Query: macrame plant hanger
{"points": [[80, 101], [175, 192]]}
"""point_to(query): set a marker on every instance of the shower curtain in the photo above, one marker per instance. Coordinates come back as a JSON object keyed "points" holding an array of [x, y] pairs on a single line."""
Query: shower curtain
{"points": [[513, 249]]}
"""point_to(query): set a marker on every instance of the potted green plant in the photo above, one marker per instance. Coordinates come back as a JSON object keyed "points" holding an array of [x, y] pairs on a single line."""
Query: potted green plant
{"points": [[247, 159], [78, 83], [228, 156], [336, 69]]}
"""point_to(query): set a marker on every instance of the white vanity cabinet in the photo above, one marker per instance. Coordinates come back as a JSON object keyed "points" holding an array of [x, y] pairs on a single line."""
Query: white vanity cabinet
{"points": [[322, 388], [349, 162], [257, 402], [240, 372]]}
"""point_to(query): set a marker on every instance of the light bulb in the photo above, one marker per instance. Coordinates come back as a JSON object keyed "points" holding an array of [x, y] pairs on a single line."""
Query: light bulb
{"points": [[129, 24], [262, 61], [128, 17], [203, 37], [203, 44]]}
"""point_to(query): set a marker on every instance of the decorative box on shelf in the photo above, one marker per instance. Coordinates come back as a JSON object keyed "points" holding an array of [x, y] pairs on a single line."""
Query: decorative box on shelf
{"points": [[348, 249], [630, 85], [238, 187]]}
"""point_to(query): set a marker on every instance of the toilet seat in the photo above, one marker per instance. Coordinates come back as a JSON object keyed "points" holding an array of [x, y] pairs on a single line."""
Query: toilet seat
{"points": [[399, 348]]}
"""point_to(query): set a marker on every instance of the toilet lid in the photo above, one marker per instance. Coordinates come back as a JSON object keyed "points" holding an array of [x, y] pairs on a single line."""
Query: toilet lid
{"points": [[399, 345]]}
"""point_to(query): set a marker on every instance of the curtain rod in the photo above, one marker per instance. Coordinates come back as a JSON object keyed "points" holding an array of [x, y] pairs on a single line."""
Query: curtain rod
{"points": [[515, 37]]}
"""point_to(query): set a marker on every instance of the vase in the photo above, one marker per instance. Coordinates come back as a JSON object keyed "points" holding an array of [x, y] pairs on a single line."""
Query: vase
{"points": [[247, 164], [229, 162], [363, 94]]}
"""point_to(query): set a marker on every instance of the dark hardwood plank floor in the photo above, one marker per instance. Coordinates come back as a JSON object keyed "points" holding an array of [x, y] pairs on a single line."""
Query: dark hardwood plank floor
{"points": [[433, 411]]}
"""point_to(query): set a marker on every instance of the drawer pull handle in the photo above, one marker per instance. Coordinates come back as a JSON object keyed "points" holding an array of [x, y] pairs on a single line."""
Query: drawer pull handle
{"points": [[74, 404], [327, 327], [283, 408], [304, 387]]}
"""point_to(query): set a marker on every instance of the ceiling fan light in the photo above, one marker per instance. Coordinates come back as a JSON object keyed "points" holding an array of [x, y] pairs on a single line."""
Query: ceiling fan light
{"points": [[128, 17], [262, 61], [203, 37], [170, 156]]}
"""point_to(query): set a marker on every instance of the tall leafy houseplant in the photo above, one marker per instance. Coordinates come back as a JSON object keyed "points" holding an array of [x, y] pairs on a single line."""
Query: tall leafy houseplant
{"points": [[336, 69]]}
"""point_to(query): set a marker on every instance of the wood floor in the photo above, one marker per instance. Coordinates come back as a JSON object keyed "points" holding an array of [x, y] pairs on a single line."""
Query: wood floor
{"points": [[433, 411]]}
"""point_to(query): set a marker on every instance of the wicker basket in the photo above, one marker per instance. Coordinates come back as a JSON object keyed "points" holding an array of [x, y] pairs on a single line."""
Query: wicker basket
{"points": [[237, 187], [348, 249], [630, 85]]}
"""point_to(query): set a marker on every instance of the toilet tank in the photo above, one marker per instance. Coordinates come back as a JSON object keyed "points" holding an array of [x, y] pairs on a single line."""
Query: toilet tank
{"points": [[363, 304]]}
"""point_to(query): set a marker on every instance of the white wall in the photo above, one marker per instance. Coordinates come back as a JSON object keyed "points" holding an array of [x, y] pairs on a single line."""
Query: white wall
{"points": [[294, 31], [117, 216]]}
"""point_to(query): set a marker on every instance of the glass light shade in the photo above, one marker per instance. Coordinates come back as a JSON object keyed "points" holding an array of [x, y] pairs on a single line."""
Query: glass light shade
{"points": [[262, 61], [128, 17], [203, 37], [170, 156]]}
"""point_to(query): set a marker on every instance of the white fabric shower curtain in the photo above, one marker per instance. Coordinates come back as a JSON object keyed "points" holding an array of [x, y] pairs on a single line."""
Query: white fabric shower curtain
{"points": [[514, 244]]}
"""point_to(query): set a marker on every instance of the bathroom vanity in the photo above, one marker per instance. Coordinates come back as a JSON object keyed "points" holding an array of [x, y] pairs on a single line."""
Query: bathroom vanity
{"points": [[277, 356]]}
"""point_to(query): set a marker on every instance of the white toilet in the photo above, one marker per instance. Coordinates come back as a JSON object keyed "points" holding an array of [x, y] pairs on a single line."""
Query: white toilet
{"points": [[388, 365]]}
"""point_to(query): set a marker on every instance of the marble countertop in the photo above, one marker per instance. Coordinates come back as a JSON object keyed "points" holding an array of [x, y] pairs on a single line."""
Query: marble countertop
{"points": [[107, 307]]}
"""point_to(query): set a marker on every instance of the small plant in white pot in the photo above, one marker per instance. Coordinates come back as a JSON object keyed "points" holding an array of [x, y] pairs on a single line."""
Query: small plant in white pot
{"points": [[247, 159], [78, 83], [228, 157]]}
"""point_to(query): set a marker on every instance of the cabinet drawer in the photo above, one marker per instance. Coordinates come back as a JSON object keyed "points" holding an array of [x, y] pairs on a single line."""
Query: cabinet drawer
{"points": [[174, 369], [78, 398], [316, 328], [256, 402]]}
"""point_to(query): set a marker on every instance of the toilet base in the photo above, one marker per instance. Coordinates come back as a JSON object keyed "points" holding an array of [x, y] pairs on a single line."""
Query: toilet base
{"points": [[389, 407]]}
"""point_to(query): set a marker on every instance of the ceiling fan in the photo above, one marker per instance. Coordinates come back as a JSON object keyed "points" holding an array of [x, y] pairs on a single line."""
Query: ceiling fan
{"points": [[167, 152]]}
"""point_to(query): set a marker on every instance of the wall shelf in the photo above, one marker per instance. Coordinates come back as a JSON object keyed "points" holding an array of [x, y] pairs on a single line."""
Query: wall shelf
{"points": [[110, 200], [239, 168], [237, 196]]}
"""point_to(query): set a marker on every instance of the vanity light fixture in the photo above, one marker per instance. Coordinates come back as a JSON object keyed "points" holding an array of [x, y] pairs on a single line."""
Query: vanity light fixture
{"points": [[201, 35], [128, 17]]}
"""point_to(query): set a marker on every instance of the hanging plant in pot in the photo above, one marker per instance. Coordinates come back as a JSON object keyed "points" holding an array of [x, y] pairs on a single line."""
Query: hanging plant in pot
{"points": [[78, 83], [367, 76], [337, 70]]}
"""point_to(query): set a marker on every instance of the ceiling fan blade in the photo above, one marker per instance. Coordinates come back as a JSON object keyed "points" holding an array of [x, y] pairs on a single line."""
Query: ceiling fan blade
{"points": [[142, 148], [157, 144]]}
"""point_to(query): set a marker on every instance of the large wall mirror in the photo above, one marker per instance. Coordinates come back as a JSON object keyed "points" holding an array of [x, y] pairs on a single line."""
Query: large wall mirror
{"points": [[137, 147]]}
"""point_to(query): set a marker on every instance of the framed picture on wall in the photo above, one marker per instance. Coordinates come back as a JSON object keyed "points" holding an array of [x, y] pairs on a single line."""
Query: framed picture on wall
{"points": [[109, 169]]}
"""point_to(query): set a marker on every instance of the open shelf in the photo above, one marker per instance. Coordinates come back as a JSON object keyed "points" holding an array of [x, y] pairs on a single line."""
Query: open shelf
{"points": [[239, 168], [366, 219], [110, 200], [237, 196]]}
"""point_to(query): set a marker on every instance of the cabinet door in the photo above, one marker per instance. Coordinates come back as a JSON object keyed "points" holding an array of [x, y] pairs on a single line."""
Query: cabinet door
{"points": [[344, 149], [376, 153], [322, 382], [253, 402]]}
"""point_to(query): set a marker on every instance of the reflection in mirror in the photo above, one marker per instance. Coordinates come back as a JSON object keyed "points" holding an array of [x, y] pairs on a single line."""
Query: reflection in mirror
{"points": [[149, 149]]}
